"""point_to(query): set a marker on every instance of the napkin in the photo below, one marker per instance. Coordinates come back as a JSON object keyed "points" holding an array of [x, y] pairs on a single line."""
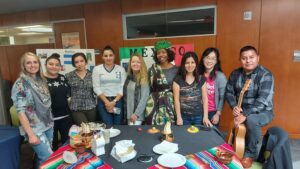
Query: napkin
{"points": [[98, 143], [123, 151], [166, 146]]}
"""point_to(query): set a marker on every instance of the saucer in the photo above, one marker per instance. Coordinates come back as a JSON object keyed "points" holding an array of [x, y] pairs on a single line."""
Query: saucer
{"points": [[69, 157], [159, 150], [171, 160]]}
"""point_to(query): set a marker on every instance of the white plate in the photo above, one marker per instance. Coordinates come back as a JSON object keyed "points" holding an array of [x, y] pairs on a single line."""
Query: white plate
{"points": [[114, 132], [171, 160], [69, 157], [158, 150]]}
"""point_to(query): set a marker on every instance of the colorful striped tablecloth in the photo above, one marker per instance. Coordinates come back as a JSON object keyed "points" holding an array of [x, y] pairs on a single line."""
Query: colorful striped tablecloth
{"points": [[207, 160], [86, 160]]}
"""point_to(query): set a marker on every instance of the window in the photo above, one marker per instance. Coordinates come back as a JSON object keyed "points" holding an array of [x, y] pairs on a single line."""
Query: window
{"points": [[26, 34], [180, 22]]}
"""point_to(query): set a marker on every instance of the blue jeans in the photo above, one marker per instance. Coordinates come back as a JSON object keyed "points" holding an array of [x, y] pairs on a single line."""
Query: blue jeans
{"points": [[253, 123], [210, 116], [43, 150], [110, 118], [192, 119]]}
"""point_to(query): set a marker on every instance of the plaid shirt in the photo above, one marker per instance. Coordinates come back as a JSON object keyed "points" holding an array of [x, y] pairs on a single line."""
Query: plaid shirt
{"points": [[259, 96]]}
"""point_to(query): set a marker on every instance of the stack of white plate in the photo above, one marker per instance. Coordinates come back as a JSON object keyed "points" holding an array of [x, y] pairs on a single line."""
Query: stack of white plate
{"points": [[165, 147]]}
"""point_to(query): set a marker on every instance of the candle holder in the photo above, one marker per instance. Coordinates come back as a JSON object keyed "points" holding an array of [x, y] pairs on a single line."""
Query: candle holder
{"points": [[167, 133]]}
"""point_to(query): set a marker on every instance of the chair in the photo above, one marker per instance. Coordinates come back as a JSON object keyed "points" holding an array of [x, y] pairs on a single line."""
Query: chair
{"points": [[275, 151], [16, 123], [14, 117]]}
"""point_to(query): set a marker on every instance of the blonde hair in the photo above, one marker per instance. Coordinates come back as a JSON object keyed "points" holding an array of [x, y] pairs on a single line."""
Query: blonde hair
{"points": [[22, 62], [142, 75]]}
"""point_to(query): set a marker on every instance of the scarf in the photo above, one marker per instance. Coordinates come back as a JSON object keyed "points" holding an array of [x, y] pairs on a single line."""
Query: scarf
{"points": [[41, 98]]}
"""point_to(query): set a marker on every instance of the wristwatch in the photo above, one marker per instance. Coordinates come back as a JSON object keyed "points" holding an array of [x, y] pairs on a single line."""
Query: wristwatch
{"points": [[115, 100]]}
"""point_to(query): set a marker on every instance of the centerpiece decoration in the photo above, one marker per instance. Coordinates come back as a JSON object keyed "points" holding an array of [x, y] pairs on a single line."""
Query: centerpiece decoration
{"points": [[193, 129], [153, 130], [86, 135], [167, 133]]}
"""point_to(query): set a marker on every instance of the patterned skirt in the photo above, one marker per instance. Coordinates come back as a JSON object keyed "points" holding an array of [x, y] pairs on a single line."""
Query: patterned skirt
{"points": [[160, 108]]}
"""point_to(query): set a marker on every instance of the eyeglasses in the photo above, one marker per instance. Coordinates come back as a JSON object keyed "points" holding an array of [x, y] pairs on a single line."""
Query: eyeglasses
{"points": [[210, 58]]}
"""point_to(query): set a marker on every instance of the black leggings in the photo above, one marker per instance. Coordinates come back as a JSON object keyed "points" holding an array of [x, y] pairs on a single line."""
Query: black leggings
{"points": [[62, 126]]}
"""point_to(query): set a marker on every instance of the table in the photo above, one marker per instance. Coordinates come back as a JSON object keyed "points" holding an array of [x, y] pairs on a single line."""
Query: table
{"points": [[10, 141], [187, 142]]}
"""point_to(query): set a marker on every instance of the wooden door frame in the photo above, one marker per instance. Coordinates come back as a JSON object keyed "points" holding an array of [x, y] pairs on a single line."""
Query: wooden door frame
{"points": [[71, 20]]}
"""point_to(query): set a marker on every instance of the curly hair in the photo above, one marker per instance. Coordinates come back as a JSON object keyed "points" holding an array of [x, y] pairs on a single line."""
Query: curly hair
{"points": [[170, 53]]}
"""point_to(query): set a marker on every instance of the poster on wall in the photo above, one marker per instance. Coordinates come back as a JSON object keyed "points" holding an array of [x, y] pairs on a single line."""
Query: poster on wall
{"points": [[70, 40], [66, 57], [148, 52]]}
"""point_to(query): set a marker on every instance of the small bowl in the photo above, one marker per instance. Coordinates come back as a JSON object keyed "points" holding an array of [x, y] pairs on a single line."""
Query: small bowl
{"points": [[80, 148], [86, 139], [224, 157]]}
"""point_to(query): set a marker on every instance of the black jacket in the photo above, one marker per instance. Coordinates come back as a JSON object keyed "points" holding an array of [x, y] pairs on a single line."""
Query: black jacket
{"points": [[276, 141]]}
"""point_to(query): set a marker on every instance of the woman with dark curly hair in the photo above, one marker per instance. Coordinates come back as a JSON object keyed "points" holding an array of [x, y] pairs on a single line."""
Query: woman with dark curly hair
{"points": [[160, 104]]}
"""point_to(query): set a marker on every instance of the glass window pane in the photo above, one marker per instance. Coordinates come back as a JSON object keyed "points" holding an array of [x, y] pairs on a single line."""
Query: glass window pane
{"points": [[184, 22], [195, 22], [26, 34]]}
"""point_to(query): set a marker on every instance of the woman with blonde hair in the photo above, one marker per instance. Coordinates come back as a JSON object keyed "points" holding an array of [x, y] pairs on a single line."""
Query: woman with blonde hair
{"points": [[32, 99], [136, 90]]}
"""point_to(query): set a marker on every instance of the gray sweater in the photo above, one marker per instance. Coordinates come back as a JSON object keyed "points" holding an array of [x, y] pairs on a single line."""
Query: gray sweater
{"points": [[135, 98], [221, 82]]}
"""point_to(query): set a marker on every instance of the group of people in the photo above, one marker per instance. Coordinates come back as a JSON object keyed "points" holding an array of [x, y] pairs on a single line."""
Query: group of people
{"points": [[191, 94]]}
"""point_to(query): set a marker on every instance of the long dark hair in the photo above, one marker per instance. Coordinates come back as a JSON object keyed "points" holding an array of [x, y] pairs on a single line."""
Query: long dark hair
{"points": [[182, 72], [217, 66]]}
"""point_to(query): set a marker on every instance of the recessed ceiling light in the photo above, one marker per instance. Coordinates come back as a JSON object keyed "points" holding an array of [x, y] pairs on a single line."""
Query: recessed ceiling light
{"points": [[29, 33], [41, 29], [31, 26]]}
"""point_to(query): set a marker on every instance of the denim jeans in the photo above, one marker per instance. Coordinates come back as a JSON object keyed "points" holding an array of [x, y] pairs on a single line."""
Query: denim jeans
{"points": [[210, 116], [43, 150], [110, 118], [192, 119], [253, 123]]}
